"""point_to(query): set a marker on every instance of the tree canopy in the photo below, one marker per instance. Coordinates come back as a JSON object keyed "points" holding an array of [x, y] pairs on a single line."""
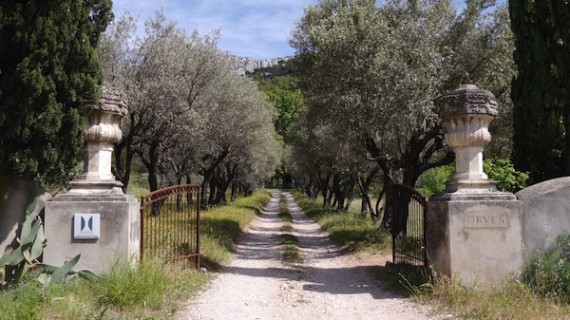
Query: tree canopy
{"points": [[541, 88]]}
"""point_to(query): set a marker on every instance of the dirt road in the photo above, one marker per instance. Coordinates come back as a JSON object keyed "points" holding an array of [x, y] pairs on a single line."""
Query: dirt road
{"points": [[257, 284]]}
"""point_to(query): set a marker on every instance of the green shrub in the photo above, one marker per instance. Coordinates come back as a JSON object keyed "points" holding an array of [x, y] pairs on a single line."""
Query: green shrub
{"points": [[433, 181], [549, 273], [503, 171]]}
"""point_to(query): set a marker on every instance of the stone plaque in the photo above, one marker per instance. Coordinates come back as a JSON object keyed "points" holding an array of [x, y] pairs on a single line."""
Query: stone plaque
{"points": [[479, 217], [86, 225]]}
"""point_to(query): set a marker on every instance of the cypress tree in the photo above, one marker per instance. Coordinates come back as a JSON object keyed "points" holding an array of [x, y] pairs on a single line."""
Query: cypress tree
{"points": [[540, 91], [49, 74]]}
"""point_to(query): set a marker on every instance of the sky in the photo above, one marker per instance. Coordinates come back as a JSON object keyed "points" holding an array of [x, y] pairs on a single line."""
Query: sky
{"points": [[250, 28]]}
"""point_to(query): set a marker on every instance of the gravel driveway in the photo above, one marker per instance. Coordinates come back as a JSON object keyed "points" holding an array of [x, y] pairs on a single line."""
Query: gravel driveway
{"points": [[257, 284]]}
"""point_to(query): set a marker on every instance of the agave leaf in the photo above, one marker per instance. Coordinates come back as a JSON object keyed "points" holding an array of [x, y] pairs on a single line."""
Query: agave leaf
{"points": [[17, 256], [38, 246], [21, 273], [26, 228], [88, 275], [59, 274], [27, 257], [6, 256], [30, 235], [46, 268]]}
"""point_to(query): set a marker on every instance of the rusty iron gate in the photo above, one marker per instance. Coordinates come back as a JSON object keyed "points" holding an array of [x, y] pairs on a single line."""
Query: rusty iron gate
{"points": [[170, 224], [408, 228]]}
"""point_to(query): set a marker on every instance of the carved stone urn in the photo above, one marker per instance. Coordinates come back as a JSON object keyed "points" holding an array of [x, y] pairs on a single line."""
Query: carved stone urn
{"points": [[103, 130], [466, 113]]}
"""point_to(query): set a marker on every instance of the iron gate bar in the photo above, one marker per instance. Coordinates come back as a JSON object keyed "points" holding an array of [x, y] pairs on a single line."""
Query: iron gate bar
{"points": [[408, 229], [175, 229]]}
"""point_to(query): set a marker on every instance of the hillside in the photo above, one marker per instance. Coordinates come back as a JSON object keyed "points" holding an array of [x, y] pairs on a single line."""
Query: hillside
{"points": [[265, 67]]}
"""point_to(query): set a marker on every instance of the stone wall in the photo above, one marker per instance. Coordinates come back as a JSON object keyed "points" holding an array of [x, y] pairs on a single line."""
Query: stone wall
{"points": [[546, 208]]}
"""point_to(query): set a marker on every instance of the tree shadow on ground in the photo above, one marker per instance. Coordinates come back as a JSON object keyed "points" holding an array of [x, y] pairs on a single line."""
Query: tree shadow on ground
{"points": [[337, 281]]}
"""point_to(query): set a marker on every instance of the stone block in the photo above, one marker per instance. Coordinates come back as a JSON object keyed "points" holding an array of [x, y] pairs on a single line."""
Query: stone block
{"points": [[119, 240], [475, 239]]}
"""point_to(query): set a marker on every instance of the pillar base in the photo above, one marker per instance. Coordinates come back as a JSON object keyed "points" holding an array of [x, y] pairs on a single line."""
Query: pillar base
{"points": [[475, 238], [119, 239]]}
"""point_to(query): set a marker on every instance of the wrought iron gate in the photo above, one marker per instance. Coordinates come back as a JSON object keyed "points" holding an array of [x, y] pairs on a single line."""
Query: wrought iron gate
{"points": [[408, 229], [170, 224]]}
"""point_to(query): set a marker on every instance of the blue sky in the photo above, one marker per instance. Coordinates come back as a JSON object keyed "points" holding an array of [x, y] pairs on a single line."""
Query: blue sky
{"points": [[251, 28]]}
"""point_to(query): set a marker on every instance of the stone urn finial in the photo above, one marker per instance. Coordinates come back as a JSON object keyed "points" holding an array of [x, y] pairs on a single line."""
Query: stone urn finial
{"points": [[103, 130], [105, 117], [466, 113]]}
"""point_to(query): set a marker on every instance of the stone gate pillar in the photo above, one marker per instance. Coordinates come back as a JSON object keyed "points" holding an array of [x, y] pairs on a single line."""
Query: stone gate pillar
{"points": [[95, 218], [474, 232]]}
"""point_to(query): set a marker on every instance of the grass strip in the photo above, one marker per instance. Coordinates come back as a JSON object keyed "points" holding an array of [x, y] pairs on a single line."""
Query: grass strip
{"points": [[290, 248], [289, 242]]}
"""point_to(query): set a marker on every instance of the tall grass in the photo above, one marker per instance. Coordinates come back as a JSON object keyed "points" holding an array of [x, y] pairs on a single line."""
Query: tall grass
{"points": [[549, 273], [127, 286], [152, 290], [255, 202], [513, 301], [24, 307]]}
